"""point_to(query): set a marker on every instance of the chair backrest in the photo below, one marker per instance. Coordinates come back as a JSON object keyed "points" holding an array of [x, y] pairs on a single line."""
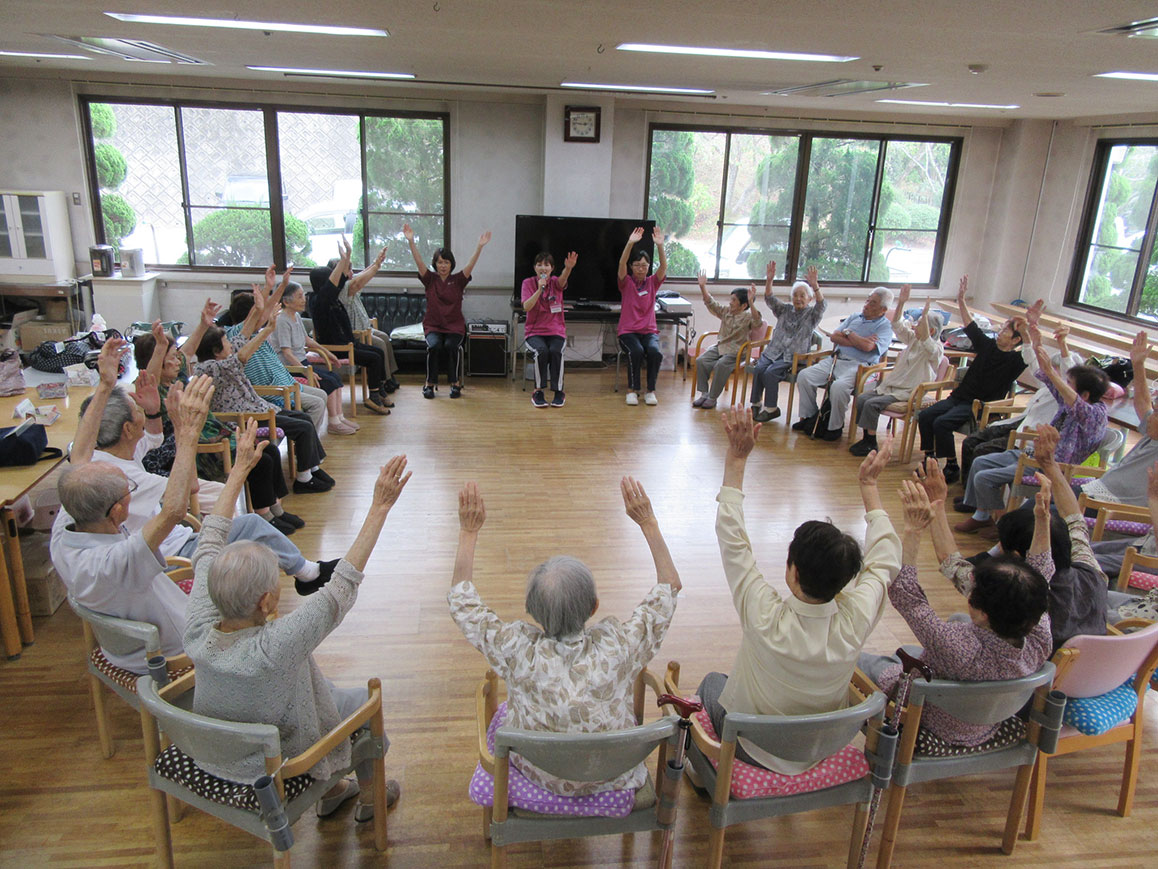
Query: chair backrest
{"points": [[943, 368], [586, 756], [1104, 663], [1112, 441], [980, 702], [209, 740], [120, 637], [804, 738], [816, 340]]}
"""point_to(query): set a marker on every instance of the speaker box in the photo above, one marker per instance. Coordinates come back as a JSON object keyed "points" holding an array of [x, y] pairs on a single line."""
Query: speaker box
{"points": [[486, 355]]}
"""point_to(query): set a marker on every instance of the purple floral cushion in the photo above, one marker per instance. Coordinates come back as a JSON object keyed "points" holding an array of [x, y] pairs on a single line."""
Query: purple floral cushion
{"points": [[522, 794]]}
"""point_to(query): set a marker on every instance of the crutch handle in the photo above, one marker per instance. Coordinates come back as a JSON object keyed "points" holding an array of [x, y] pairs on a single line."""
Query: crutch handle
{"points": [[685, 708], [911, 662]]}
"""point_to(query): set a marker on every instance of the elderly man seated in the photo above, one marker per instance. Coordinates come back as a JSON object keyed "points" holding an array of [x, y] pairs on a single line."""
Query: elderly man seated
{"points": [[120, 443], [861, 339], [256, 670], [562, 674]]}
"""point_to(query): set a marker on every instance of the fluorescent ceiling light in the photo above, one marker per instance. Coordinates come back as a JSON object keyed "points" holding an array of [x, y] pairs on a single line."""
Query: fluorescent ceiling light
{"points": [[734, 52], [237, 24], [44, 54], [1135, 76], [948, 105], [344, 73], [633, 87]]}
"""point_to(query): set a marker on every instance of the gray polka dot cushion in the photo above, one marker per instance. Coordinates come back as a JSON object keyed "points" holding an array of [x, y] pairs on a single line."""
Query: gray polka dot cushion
{"points": [[178, 767], [1010, 732]]}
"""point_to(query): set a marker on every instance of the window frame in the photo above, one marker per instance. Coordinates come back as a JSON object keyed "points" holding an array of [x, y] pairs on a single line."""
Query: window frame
{"points": [[803, 158], [1098, 169], [273, 173]]}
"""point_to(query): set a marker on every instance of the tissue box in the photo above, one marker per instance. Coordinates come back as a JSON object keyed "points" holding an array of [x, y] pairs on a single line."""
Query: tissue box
{"points": [[58, 389]]}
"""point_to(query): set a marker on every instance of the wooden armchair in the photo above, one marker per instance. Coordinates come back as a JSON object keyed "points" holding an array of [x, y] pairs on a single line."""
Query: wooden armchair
{"points": [[749, 353], [266, 419], [1024, 485], [921, 397], [345, 353]]}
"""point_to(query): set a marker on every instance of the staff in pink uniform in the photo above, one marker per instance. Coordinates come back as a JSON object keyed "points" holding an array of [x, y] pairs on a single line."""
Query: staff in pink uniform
{"points": [[546, 332], [638, 333]]}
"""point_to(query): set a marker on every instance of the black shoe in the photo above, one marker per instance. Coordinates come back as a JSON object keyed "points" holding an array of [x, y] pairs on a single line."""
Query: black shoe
{"points": [[281, 525], [325, 571], [830, 434], [805, 424], [319, 474], [456, 392], [428, 391], [296, 521], [981, 556], [311, 485], [390, 385], [952, 473], [864, 446], [559, 399], [767, 415], [538, 399], [961, 507]]}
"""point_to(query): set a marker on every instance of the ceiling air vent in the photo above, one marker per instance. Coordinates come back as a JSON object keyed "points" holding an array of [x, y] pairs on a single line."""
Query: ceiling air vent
{"points": [[842, 87], [1147, 28], [129, 49]]}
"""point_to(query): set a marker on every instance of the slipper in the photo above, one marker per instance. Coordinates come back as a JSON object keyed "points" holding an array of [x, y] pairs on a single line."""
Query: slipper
{"points": [[328, 805], [365, 811]]}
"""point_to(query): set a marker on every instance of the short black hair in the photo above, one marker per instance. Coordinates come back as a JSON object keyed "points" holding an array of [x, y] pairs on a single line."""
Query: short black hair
{"points": [[825, 559], [240, 306], [143, 346], [442, 253], [1015, 533], [742, 294], [211, 344], [545, 257], [637, 255], [1012, 593], [1091, 380]]}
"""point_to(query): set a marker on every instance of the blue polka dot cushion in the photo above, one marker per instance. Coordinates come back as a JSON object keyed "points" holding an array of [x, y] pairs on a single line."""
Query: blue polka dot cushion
{"points": [[1094, 715], [524, 794]]}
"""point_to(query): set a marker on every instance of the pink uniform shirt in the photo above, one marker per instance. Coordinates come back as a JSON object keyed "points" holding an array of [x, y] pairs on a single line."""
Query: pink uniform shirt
{"points": [[444, 303], [637, 311], [546, 318]]}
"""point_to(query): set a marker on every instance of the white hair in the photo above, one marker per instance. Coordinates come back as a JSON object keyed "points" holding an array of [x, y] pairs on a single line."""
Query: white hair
{"points": [[883, 295], [240, 575], [561, 595], [87, 492], [802, 285], [118, 411]]}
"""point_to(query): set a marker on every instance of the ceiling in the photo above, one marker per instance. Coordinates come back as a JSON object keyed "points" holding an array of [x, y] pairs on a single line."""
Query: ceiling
{"points": [[531, 46]]}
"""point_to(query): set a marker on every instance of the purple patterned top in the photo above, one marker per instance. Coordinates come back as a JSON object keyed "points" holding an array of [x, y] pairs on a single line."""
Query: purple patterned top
{"points": [[1080, 427]]}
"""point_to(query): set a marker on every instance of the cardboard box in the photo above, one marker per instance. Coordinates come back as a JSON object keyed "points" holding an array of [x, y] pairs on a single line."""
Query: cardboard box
{"points": [[56, 309], [36, 332], [45, 590]]}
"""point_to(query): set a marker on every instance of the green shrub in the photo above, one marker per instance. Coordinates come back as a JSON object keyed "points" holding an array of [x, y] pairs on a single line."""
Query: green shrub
{"points": [[119, 218], [103, 121], [237, 237], [111, 168], [681, 262]]}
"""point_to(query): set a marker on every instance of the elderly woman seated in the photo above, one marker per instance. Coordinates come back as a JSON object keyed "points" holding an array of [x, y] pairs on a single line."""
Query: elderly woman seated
{"points": [[566, 675], [251, 669]]}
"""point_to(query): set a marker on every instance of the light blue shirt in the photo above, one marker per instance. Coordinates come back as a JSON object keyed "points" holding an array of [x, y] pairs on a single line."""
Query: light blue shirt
{"points": [[880, 330]]}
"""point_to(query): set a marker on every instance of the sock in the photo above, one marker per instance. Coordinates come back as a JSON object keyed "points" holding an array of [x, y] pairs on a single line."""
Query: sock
{"points": [[304, 476], [276, 509], [981, 515], [308, 572], [950, 463], [265, 514], [995, 549]]}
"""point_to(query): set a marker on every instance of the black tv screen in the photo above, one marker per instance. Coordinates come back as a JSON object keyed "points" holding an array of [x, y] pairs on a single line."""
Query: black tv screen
{"points": [[599, 242]]}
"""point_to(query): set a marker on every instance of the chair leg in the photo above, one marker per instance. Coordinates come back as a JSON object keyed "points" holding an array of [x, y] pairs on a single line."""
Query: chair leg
{"points": [[889, 830], [487, 815], [104, 729], [1016, 807], [161, 834], [281, 859], [716, 848], [1036, 797], [791, 397], [498, 856], [859, 829], [380, 804], [1129, 775]]}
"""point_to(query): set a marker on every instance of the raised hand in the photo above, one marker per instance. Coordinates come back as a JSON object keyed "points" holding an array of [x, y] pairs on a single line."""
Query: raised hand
{"points": [[636, 235], [874, 463], [1140, 350], [918, 510], [962, 288], [1045, 447], [812, 276], [472, 512], [741, 431], [1042, 499], [249, 449], [571, 260], [380, 258], [145, 393], [702, 280], [260, 296], [158, 331], [270, 277], [209, 312], [109, 361], [1061, 333], [770, 270], [903, 295], [1033, 312], [932, 479], [657, 235], [635, 501], [392, 479], [407, 232], [192, 409], [484, 239]]}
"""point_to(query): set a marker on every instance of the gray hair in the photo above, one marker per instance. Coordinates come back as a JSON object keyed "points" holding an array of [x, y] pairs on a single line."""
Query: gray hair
{"points": [[561, 595], [936, 324], [292, 288], [87, 492], [240, 575], [883, 295], [118, 411], [804, 285]]}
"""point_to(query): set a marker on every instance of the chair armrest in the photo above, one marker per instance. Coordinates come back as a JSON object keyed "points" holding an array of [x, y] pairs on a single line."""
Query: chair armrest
{"points": [[178, 662], [178, 687], [340, 350], [928, 386], [359, 717], [1133, 623], [307, 372], [1021, 438], [864, 372], [485, 702], [704, 335], [1063, 659], [803, 360]]}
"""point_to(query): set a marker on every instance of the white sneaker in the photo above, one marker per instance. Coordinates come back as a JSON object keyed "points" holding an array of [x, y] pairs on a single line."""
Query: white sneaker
{"points": [[650, 399], [632, 399]]}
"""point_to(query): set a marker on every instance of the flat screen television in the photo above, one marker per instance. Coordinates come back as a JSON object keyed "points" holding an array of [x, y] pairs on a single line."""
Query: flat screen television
{"points": [[599, 242]]}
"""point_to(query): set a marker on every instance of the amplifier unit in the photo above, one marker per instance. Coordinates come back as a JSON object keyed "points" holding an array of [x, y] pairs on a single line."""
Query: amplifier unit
{"points": [[477, 327]]}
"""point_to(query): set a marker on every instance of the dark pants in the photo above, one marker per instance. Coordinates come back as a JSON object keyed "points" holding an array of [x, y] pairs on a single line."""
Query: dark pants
{"points": [[547, 356], [327, 380], [299, 428], [266, 480], [937, 424], [636, 345], [449, 346], [766, 380], [710, 690], [991, 439]]}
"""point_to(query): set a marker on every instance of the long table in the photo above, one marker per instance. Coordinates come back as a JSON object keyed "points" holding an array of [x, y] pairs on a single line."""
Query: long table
{"points": [[15, 616]]}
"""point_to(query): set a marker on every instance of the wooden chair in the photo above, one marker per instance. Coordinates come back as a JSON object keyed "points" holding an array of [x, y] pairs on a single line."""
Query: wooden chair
{"points": [[1024, 484], [996, 703], [748, 354], [1098, 666], [578, 756], [345, 354], [220, 448], [924, 395], [200, 739], [796, 738], [266, 419], [986, 411]]}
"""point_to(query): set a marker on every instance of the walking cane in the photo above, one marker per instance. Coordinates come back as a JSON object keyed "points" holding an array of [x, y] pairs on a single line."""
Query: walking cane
{"points": [[669, 785], [820, 406], [910, 665]]}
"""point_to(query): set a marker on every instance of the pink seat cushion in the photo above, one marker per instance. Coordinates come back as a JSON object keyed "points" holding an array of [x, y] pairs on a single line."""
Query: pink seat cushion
{"points": [[186, 585], [523, 794], [750, 782], [1146, 581]]}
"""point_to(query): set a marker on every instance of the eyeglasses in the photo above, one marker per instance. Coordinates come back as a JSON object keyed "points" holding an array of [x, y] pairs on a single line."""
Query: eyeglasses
{"points": [[132, 488]]}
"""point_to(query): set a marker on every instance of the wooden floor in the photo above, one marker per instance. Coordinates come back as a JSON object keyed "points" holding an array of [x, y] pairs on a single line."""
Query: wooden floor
{"points": [[550, 478]]}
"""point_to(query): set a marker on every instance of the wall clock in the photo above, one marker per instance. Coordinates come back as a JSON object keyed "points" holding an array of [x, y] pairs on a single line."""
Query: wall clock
{"points": [[581, 123]]}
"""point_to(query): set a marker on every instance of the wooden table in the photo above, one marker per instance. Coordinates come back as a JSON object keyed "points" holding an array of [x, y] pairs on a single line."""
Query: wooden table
{"points": [[15, 617]]}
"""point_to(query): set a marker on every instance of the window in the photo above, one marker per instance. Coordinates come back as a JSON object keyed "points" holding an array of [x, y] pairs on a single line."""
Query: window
{"points": [[192, 184], [1116, 264], [862, 209]]}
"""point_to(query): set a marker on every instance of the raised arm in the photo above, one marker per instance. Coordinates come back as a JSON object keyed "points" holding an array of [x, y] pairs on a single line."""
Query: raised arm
{"points": [[86, 432], [633, 239], [472, 513], [870, 469], [483, 241], [1041, 517], [936, 489], [1139, 356], [918, 516], [392, 479], [1061, 387], [660, 254], [250, 346], [568, 266], [812, 276], [962, 308], [757, 318], [248, 454], [638, 507], [274, 298], [742, 434], [359, 281], [408, 234], [160, 348], [1044, 449], [209, 312], [702, 282], [902, 298]]}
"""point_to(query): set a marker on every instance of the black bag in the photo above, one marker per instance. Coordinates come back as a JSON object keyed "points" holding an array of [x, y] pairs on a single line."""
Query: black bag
{"points": [[53, 356], [25, 445], [822, 418], [1119, 369]]}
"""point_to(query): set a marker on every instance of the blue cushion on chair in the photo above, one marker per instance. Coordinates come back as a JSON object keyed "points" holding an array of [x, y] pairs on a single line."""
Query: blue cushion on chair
{"points": [[1094, 715]]}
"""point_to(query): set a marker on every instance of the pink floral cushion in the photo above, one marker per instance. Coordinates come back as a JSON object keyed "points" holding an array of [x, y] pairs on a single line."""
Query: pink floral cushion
{"points": [[1122, 526], [522, 794], [1146, 581], [750, 782]]}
